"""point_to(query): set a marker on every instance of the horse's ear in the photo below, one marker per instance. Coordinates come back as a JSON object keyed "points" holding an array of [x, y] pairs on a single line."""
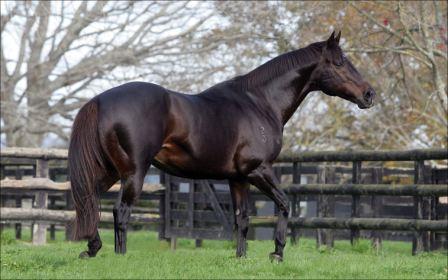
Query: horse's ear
{"points": [[331, 39], [331, 42], [338, 37]]}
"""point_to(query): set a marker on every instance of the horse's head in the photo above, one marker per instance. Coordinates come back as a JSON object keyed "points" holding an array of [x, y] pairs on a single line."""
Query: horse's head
{"points": [[335, 75]]}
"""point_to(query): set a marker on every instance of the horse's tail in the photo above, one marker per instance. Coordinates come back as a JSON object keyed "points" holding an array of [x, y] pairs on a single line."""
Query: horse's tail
{"points": [[85, 165]]}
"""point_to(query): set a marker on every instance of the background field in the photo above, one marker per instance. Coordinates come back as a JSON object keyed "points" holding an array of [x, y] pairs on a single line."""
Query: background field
{"points": [[149, 258]]}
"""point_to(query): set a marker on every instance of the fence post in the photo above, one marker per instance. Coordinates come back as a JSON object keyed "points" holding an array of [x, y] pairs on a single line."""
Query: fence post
{"points": [[41, 201], [162, 216], [434, 216], [434, 200], [18, 226], [40, 230], [330, 178], [417, 242], [33, 199], [325, 206], [52, 226], [356, 179], [376, 201], [427, 209], [198, 243], [173, 243], [318, 208], [42, 170], [69, 205], [296, 174]]}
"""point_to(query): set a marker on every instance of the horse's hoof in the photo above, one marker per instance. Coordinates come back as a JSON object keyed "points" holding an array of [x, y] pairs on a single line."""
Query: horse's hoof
{"points": [[84, 255], [275, 258]]}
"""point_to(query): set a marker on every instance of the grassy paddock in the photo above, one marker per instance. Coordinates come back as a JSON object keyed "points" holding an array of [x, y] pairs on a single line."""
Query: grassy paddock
{"points": [[149, 258]]}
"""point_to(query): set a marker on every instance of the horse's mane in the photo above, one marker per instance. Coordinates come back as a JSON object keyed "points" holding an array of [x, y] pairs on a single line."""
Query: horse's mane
{"points": [[281, 64]]}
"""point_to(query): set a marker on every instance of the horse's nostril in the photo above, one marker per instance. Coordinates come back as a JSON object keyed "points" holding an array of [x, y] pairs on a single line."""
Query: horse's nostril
{"points": [[368, 95]]}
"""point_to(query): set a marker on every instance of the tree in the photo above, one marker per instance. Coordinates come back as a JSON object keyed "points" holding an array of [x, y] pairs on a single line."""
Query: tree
{"points": [[56, 54], [399, 47], [407, 44]]}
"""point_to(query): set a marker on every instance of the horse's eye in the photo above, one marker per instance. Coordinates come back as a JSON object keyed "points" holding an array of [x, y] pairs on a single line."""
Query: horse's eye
{"points": [[338, 63]]}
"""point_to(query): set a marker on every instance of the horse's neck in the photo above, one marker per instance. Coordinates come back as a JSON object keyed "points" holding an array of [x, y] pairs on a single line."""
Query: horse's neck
{"points": [[285, 93], [283, 82]]}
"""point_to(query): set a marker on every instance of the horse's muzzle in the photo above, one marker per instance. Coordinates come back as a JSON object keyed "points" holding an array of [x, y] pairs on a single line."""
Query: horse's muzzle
{"points": [[367, 99]]}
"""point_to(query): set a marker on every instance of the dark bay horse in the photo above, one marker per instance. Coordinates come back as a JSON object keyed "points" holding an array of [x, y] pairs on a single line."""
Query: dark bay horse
{"points": [[232, 131]]}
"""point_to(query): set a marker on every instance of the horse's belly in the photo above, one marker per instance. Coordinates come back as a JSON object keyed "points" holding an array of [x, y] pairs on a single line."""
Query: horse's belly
{"points": [[176, 161]]}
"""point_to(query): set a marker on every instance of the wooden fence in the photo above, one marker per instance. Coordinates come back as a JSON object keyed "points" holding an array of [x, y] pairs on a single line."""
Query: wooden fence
{"points": [[425, 196], [424, 224], [42, 218]]}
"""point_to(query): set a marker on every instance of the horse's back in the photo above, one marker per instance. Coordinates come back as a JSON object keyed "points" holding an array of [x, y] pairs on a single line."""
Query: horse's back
{"points": [[134, 95]]}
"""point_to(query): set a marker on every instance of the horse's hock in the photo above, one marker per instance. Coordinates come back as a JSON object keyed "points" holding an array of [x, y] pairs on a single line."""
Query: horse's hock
{"points": [[336, 198]]}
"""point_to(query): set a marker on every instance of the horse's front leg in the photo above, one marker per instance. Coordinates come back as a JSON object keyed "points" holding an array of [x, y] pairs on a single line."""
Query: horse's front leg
{"points": [[240, 199], [265, 180]]}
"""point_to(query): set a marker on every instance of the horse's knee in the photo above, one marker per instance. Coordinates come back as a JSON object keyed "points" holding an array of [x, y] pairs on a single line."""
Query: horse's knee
{"points": [[283, 202], [284, 209], [243, 224]]}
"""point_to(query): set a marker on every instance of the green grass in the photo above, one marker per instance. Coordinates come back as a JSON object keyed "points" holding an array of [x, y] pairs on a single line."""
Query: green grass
{"points": [[149, 258]]}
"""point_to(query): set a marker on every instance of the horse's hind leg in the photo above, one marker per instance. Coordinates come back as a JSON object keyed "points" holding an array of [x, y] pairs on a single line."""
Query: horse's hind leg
{"points": [[131, 187], [131, 150], [94, 246]]}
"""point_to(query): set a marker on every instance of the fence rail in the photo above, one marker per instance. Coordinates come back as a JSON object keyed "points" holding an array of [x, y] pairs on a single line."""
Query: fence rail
{"points": [[369, 189], [34, 153], [355, 223], [49, 185], [62, 216], [347, 156], [339, 156]]}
